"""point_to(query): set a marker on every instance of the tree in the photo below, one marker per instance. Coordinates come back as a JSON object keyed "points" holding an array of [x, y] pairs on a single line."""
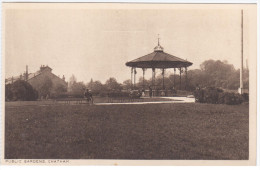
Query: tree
{"points": [[78, 88], [96, 87], [112, 85], [59, 89], [217, 72], [90, 84], [8, 92], [20, 90], [212, 73], [45, 88], [72, 80], [127, 84]]}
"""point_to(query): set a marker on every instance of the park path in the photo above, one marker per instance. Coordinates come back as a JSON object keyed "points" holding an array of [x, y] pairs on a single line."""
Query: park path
{"points": [[49, 103], [174, 100]]}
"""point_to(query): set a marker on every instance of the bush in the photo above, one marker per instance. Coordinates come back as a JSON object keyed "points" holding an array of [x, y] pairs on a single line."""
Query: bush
{"points": [[217, 96], [135, 94], [233, 98], [8, 92], [245, 97], [199, 95], [20, 90], [118, 94]]}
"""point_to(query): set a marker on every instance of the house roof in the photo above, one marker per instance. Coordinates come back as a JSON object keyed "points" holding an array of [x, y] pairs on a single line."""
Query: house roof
{"points": [[30, 75]]}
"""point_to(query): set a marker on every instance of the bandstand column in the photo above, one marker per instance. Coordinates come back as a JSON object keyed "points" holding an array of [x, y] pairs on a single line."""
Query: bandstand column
{"points": [[174, 78], [186, 77], [163, 76], [153, 79], [131, 78], [134, 76], [143, 76], [180, 77]]}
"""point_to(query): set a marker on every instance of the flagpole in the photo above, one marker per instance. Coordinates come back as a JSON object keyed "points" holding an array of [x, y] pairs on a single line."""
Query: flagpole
{"points": [[241, 67]]}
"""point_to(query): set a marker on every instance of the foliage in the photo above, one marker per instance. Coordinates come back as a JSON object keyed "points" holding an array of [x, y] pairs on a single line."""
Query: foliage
{"points": [[217, 96], [78, 88], [72, 81], [59, 90], [112, 85], [217, 74], [45, 88], [96, 87], [8, 92], [75, 88], [117, 94], [68, 95], [20, 90], [213, 73], [135, 94], [127, 84], [245, 97]]}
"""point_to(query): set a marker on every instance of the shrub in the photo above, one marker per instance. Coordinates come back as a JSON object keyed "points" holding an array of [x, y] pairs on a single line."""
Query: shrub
{"points": [[233, 98], [135, 94], [245, 97], [217, 96], [118, 94], [8, 92], [199, 95], [20, 90]]}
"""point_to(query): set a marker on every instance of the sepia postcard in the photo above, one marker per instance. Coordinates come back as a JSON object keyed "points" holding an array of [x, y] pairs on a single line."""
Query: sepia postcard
{"points": [[129, 84]]}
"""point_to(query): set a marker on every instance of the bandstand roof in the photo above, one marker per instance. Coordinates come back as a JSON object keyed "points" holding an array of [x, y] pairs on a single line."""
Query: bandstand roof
{"points": [[158, 59]]}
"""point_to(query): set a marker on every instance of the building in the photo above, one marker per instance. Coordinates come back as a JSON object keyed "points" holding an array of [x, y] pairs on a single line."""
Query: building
{"points": [[39, 78]]}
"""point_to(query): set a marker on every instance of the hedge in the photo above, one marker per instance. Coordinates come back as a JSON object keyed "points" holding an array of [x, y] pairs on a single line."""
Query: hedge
{"points": [[218, 96]]}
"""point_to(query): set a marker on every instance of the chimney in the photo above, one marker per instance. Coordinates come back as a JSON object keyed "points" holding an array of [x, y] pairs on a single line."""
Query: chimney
{"points": [[63, 77]]}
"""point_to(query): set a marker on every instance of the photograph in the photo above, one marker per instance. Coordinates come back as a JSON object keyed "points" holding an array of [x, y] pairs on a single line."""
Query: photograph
{"points": [[129, 84]]}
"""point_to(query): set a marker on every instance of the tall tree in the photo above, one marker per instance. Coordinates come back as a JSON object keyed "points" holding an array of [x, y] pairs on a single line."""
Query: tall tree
{"points": [[112, 84], [127, 84], [45, 88], [20, 90], [72, 81], [78, 88]]}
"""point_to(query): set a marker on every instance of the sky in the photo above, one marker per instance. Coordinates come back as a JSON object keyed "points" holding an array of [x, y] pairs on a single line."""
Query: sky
{"points": [[94, 43]]}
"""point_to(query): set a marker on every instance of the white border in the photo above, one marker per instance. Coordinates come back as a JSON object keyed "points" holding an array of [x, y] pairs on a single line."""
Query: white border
{"points": [[148, 1], [258, 82], [157, 1]]}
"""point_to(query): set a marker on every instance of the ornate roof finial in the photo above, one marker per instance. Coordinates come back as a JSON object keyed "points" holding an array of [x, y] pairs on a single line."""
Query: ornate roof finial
{"points": [[158, 48]]}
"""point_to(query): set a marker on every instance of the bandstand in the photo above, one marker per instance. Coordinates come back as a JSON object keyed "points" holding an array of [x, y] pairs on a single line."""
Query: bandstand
{"points": [[158, 60]]}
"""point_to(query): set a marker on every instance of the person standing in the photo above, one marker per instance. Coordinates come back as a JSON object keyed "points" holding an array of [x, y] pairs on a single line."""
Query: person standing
{"points": [[150, 91]]}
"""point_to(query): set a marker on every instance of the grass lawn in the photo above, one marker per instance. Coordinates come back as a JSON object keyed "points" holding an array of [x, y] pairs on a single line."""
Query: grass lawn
{"points": [[152, 131]]}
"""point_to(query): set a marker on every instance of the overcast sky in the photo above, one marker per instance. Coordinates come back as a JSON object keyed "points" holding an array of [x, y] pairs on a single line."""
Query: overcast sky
{"points": [[97, 43]]}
